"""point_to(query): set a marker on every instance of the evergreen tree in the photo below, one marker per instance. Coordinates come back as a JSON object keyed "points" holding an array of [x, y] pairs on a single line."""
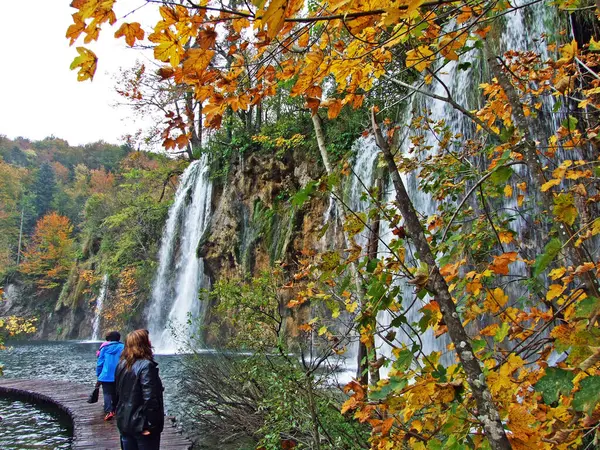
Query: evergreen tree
{"points": [[43, 189]]}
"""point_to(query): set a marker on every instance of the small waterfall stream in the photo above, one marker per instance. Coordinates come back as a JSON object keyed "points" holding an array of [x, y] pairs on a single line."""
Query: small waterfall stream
{"points": [[180, 275], [98, 310]]}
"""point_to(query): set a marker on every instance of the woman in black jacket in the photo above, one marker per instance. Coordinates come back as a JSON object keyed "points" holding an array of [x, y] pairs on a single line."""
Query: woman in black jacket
{"points": [[140, 410]]}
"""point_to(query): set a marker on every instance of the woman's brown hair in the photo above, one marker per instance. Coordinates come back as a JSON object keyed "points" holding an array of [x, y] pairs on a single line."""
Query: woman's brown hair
{"points": [[137, 346]]}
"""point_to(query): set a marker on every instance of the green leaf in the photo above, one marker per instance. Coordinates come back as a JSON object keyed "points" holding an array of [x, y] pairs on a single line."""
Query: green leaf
{"points": [[381, 394], [594, 46], [557, 106], [564, 208], [398, 383], [435, 444], [398, 321], [588, 395], [542, 261], [330, 261], [570, 123], [586, 308], [404, 360], [478, 344], [553, 383], [303, 194], [502, 332], [501, 175], [372, 265]]}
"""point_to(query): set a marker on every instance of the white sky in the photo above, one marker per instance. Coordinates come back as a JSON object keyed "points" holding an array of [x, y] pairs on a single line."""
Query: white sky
{"points": [[39, 95]]}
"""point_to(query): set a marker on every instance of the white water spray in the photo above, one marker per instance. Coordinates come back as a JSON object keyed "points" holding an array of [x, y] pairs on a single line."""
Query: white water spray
{"points": [[180, 275], [98, 310]]}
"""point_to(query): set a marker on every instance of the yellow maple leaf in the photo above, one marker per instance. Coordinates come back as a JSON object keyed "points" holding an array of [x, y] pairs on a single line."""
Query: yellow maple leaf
{"points": [[406, 9], [564, 208], [554, 291], [86, 62], [508, 191], [420, 58], [168, 48], [555, 274], [568, 52], [239, 24], [131, 32], [506, 237], [495, 300], [547, 185], [274, 17], [596, 226]]}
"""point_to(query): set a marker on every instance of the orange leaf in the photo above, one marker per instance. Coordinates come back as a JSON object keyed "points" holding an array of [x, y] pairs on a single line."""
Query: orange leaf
{"points": [[131, 32], [166, 72], [501, 262], [182, 141], [207, 38], [349, 405], [334, 108], [169, 144], [386, 426], [75, 29]]}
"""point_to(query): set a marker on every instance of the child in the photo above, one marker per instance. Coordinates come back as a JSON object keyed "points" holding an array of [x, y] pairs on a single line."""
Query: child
{"points": [[108, 358], [94, 396]]}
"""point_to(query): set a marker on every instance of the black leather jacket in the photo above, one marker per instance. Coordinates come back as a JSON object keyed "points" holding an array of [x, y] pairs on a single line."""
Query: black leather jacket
{"points": [[139, 398]]}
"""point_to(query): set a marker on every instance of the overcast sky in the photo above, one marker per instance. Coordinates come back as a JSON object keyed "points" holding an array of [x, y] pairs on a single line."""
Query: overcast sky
{"points": [[39, 95]]}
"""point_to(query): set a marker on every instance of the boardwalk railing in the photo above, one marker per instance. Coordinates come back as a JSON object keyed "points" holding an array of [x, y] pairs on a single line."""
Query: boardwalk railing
{"points": [[90, 431]]}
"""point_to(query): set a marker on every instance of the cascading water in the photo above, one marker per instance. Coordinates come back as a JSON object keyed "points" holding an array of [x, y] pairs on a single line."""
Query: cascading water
{"points": [[462, 82], [98, 311], [180, 275]]}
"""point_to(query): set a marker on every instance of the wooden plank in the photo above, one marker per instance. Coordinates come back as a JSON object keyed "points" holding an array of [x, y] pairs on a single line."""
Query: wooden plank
{"points": [[90, 431]]}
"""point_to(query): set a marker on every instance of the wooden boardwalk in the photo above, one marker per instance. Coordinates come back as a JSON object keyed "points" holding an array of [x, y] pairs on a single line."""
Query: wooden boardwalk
{"points": [[90, 431]]}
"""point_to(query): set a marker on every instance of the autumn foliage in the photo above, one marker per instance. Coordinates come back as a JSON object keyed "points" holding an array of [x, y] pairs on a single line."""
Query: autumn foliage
{"points": [[508, 262], [50, 253]]}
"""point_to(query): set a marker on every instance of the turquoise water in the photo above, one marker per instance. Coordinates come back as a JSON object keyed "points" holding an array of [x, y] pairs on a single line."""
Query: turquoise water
{"points": [[28, 426], [76, 361]]}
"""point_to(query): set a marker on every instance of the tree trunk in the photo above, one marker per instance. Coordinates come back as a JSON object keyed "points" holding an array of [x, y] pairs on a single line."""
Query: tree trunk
{"points": [[313, 413], [259, 114], [487, 413], [362, 351]]}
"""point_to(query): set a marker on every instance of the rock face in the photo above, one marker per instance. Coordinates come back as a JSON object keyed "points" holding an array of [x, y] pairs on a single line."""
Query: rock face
{"points": [[254, 224], [55, 320]]}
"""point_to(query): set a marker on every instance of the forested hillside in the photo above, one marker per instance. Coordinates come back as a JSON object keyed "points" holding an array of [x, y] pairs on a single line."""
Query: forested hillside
{"points": [[71, 214]]}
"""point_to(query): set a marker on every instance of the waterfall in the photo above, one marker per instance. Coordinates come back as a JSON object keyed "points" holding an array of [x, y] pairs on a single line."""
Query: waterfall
{"points": [[180, 275], [98, 310], [462, 81]]}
